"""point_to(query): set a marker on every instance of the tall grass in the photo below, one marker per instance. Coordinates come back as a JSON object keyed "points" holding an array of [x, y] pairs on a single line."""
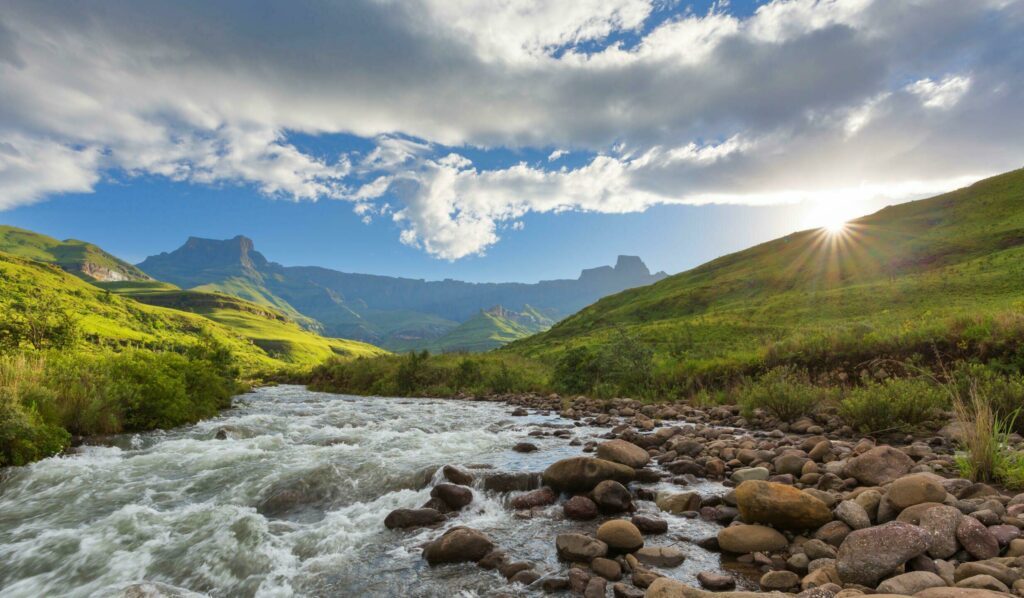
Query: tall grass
{"points": [[984, 438]]}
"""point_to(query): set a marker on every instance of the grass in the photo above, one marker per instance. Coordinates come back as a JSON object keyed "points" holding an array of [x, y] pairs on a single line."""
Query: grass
{"points": [[78, 257]]}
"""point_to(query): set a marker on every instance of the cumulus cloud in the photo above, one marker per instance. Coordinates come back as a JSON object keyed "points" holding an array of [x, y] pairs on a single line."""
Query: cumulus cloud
{"points": [[816, 99]]}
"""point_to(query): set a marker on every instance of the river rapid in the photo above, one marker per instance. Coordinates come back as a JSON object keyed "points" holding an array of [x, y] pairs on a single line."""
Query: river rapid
{"points": [[190, 510]]}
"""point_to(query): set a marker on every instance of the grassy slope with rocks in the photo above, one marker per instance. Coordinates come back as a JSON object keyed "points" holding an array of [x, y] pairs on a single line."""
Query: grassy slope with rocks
{"points": [[489, 329], [946, 271], [78, 257]]}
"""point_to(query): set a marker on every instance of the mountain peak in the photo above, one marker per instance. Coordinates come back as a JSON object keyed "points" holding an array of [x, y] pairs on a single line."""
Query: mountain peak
{"points": [[631, 264], [198, 253]]}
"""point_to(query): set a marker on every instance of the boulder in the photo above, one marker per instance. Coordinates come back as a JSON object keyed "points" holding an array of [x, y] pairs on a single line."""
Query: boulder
{"points": [[983, 582], [665, 587], [621, 451], [406, 518], [941, 523], [957, 593], [620, 535], [911, 583], [868, 555], [976, 539], [535, 498], [458, 545], [715, 581], [453, 495], [879, 465], [652, 525], [457, 475], [660, 556], [915, 489], [612, 497], [852, 514], [580, 508], [512, 481], [743, 539], [749, 473], [581, 474], [606, 568], [579, 548], [779, 581], [677, 502], [780, 505]]}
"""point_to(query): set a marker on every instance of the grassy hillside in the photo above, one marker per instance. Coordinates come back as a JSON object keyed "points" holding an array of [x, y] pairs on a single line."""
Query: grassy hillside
{"points": [[947, 271], [78, 257], [109, 320], [489, 329]]}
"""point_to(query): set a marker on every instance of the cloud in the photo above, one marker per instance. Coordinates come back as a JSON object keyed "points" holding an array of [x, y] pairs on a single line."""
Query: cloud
{"points": [[802, 99]]}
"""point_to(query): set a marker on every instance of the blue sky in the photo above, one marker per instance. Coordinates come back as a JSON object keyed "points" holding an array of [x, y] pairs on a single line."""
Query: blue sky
{"points": [[450, 139]]}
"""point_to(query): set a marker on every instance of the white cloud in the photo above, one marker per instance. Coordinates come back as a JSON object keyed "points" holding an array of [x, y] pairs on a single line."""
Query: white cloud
{"points": [[806, 98]]}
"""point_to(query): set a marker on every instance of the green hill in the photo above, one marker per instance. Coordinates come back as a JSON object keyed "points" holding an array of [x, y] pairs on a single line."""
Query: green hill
{"points": [[78, 257], [489, 329], [945, 272]]}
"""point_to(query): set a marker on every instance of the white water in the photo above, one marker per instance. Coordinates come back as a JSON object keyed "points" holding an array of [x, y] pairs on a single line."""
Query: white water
{"points": [[179, 507]]}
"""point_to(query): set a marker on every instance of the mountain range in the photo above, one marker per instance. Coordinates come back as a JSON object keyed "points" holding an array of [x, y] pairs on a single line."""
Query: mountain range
{"points": [[391, 312]]}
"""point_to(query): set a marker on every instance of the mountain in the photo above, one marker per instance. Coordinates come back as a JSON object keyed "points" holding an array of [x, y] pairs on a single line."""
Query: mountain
{"points": [[395, 313], [941, 273], [168, 318], [82, 259], [488, 329]]}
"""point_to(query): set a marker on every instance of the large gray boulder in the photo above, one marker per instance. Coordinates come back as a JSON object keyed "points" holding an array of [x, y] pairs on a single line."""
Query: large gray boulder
{"points": [[621, 451], [458, 545], [879, 465], [581, 474], [869, 555]]}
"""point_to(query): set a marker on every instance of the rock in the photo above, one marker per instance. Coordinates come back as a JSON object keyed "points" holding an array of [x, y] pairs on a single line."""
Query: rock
{"points": [[868, 555], [852, 514], [716, 582], [998, 570], [915, 489], [957, 593], [509, 570], [677, 502], [612, 497], [1004, 534], [833, 532], [578, 580], [660, 556], [750, 473], [525, 577], [983, 582], [779, 581], [518, 481], [620, 535], [606, 568], [580, 508], [406, 518], [976, 539], [665, 587], [458, 545], [579, 547], [536, 498], [553, 584], [621, 590], [743, 539], [456, 475], [879, 466], [581, 474], [621, 451], [453, 495], [910, 583], [493, 560], [816, 549], [597, 587], [819, 577], [941, 523], [525, 447], [780, 505], [652, 525], [152, 589]]}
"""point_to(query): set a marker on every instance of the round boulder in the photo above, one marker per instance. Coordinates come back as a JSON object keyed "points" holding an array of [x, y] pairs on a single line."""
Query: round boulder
{"points": [[744, 539], [580, 508], [612, 497], [453, 495], [868, 555], [581, 474], [579, 548], [626, 453], [458, 545], [406, 518], [915, 489], [620, 535], [780, 505], [879, 465]]}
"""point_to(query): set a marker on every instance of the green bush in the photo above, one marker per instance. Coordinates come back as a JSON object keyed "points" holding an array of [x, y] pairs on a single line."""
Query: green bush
{"points": [[24, 436], [622, 366], [891, 405], [785, 392], [1003, 392]]}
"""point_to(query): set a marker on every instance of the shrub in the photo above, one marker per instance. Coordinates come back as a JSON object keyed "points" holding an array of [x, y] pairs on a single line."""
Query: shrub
{"points": [[891, 405], [1004, 393], [24, 436], [785, 392]]}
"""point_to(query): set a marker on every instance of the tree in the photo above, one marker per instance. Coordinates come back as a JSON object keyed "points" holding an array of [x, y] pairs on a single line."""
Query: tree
{"points": [[40, 321]]}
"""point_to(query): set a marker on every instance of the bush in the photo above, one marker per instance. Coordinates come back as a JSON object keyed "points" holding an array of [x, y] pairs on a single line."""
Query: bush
{"points": [[1004, 393], [623, 366], [891, 405], [785, 392], [24, 436]]}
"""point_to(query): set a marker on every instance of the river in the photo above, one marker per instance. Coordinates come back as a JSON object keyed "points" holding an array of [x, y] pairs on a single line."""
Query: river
{"points": [[179, 507]]}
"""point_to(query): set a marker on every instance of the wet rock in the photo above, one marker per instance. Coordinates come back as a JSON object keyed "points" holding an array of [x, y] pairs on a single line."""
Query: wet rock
{"points": [[536, 498], [509, 570], [612, 497], [620, 535], [152, 589], [526, 577], [941, 523], [578, 580], [553, 584], [453, 495], [606, 568], [743, 539], [780, 505], [779, 581], [650, 525], [626, 453], [493, 560], [579, 547], [660, 556], [525, 447], [458, 545], [597, 587], [581, 474], [456, 475], [879, 466], [678, 502], [407, 518], [716, 582], [976, 539], [868, 555], [621, 590], [512, 481], [915, 489], [911, 583]]}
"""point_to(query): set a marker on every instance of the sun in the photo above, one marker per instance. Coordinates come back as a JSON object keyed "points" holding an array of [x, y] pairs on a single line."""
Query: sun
{"points": [[835, 226]]}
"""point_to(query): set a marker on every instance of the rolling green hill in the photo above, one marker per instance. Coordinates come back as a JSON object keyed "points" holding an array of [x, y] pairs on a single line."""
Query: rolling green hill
{"points": [[489, 329], [946, 271], [78, 257]]}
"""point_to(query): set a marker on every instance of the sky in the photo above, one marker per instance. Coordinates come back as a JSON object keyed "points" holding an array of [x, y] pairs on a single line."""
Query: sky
{"points": [[495, 140]]}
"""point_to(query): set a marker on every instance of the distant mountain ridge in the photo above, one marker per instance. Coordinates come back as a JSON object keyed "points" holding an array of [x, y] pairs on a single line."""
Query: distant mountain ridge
{"points": [[393, 312], [82, 259]]}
